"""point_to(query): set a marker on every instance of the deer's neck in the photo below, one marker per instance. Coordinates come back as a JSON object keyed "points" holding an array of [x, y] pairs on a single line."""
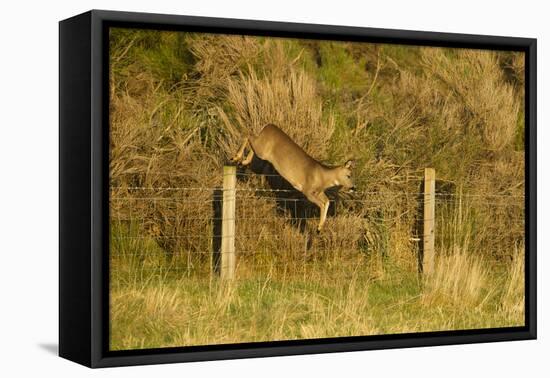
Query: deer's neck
{"points": [[330, 176]]}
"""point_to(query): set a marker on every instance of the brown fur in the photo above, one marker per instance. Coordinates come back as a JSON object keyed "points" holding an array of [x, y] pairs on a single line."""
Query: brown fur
{"points": [[302, 171]]}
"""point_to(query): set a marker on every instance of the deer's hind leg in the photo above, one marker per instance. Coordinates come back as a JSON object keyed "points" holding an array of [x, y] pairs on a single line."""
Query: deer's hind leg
{"points": [[239, 155], [248, 157]]}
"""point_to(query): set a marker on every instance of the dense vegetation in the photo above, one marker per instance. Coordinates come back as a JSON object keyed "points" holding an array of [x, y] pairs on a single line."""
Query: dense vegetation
{"points": [[181, 104]]}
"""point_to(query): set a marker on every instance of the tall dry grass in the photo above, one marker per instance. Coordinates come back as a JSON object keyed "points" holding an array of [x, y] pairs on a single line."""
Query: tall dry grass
{"points": [[458, 278], [477, 80], [289, 100], [513, 299]]}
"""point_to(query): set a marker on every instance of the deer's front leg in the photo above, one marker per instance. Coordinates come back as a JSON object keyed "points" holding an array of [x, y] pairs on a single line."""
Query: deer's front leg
{"points": [[239, 155], [314, 197], [324, 209]]}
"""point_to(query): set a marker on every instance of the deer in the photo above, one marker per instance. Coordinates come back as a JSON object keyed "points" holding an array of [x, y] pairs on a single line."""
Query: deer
{"points": [[303, 172]]}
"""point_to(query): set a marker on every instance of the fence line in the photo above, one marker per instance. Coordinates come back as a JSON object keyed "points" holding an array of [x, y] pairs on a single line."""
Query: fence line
{"points": [[400, 193], [242, 212], [305, 200]]}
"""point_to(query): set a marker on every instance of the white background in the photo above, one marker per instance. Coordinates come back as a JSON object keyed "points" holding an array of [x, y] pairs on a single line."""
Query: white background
{"points": [[29, 186]]}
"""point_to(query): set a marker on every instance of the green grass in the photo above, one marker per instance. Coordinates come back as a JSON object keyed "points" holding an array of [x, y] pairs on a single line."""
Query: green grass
{"points": [[153, 306]]}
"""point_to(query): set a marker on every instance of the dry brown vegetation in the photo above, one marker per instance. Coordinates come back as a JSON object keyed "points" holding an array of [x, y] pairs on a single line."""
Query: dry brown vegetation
{"points": [[181, 104]]}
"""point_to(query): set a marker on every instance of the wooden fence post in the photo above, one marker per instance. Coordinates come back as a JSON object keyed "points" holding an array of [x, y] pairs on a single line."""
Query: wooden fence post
{"points": [[227, 271], [428, 233]]}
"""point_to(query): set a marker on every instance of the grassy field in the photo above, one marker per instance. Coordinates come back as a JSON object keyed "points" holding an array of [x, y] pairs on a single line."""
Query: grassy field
{"points": [[153, 307], [178, 111], [160, 301]]}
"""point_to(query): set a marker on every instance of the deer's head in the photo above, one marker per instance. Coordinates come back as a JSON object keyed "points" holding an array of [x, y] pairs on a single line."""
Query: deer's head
{"points": [[344, 176]]}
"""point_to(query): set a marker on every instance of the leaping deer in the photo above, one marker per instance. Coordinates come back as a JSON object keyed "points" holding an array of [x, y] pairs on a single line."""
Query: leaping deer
{"points": [[302, 171]]}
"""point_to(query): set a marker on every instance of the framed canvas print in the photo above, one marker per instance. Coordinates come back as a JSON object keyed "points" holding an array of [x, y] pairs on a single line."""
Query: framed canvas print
{"points": [[233, 188]]}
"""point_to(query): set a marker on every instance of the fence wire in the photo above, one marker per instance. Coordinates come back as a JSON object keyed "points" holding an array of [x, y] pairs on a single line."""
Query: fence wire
{"points": [[178, 230]]}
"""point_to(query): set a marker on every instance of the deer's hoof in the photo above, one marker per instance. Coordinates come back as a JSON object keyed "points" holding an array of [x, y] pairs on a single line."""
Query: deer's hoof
{"points": [[318, 231]]}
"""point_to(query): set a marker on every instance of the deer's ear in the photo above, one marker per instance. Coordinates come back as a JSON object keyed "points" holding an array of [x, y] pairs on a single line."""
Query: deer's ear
{"points": [[350, 164]]}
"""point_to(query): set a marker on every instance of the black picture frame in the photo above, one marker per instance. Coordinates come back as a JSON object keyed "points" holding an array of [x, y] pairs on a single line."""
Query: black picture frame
{"points": [[83, 195]]}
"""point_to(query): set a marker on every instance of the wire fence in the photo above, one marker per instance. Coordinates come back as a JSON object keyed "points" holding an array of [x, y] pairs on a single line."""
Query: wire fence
{"points": [[178, 230]]}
